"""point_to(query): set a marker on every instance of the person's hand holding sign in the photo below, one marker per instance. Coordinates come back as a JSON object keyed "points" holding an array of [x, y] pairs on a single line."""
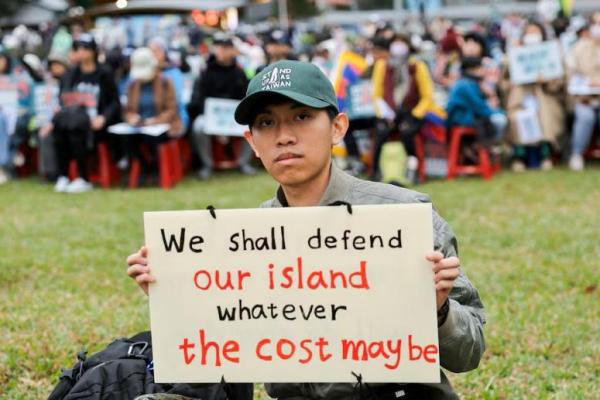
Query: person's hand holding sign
{"points": [[445, 273], [139, 270]]}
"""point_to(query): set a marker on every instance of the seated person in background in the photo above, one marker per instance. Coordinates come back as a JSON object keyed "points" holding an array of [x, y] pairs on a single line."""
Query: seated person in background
{"points": [[585, 59], [90, 103], [546, 99], [150, 101], [467, 105], [223, 78], [169, 70]]}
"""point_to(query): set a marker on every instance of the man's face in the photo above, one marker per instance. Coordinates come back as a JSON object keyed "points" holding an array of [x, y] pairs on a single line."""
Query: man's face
{"points": [[57, 70], [224, 54], [471, 48], [294, 142]]}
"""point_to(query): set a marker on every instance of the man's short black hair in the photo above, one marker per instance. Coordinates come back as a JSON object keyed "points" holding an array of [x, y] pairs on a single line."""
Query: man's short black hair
{"points": [[276, 100]]}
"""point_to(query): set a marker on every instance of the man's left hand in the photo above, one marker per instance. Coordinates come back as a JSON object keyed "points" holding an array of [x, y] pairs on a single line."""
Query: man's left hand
{"points": [[445, 273]]}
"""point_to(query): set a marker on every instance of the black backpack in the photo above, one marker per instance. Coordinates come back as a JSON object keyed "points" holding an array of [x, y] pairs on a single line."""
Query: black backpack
{"points": [[124, 370]]}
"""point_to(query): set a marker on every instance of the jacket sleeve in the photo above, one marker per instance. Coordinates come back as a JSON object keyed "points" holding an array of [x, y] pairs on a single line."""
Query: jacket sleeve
{"points": [[425, 85], [109, 98], [170, 99], [477, 102], [196, 105], [461, 337]]}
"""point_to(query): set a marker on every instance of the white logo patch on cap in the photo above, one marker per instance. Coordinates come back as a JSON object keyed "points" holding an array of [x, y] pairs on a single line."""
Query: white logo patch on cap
{"points": [[277, 78]]}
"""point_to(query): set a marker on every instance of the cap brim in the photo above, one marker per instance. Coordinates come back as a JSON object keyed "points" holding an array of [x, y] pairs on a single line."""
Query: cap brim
{"points": [[243, 112]]}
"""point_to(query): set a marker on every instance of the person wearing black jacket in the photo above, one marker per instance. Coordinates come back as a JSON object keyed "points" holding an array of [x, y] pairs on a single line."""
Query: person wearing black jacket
{"points": [[222, 78], [89, 102]]}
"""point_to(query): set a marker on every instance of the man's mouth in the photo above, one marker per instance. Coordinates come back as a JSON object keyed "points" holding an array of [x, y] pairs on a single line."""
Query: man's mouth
{"points": [[287, 156]]}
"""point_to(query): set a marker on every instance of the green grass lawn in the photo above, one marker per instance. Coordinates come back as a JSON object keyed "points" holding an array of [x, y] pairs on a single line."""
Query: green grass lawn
{"points": [[529, 242]]}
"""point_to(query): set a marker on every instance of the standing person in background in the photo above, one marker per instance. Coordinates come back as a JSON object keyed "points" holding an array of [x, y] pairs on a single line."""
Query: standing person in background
{"points": [[546, 98], [585, 59], [159, 47], [225, 79], [90, 103]]}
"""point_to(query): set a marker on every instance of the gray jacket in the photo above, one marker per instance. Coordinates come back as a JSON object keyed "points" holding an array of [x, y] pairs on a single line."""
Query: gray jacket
{"points": [[461, 341]]}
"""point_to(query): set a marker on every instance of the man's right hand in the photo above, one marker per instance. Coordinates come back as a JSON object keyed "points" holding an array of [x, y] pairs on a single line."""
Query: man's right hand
{"points": [[139, 270]]}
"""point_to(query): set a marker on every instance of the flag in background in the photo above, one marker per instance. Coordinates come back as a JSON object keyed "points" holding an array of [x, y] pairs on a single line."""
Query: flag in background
{"points": [[566, 6], [348, 69]]}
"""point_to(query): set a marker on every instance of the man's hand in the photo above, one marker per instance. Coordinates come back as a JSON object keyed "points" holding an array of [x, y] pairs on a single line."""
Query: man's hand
{"points": [[445, 273], [139, 270]]}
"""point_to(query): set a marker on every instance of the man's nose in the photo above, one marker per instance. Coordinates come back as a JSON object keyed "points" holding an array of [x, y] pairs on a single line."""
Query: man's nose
{"points": [[285, 135]]}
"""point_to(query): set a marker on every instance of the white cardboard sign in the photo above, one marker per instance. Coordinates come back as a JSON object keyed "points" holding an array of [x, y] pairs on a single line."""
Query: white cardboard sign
{"points": [[528, 63], [307, 294], [219, 117]]}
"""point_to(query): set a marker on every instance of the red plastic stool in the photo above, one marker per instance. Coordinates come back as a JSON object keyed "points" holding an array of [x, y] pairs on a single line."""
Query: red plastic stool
{"points": [[485, 168], [104, 174], [221, 159], [170, 170]]}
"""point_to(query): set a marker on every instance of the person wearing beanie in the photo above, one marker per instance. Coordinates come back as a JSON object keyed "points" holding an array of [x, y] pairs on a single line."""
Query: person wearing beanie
{"points": [[293, 121]]}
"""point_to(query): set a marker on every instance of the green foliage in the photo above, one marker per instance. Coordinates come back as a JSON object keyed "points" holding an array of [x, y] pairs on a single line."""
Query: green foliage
{"points": [[528, 242], [297, 8]]}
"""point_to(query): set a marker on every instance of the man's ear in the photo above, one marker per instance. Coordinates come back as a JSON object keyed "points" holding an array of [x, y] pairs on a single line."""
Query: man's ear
{"points": [[250, 139], [340, 127]]}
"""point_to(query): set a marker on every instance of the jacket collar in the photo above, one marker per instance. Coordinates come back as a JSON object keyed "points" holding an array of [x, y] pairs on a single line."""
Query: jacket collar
{"points": [[337, 189]]}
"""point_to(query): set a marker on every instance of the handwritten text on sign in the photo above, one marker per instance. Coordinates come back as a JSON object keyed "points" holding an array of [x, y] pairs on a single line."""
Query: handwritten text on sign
{"points": [[528, 64], [293, 295]]}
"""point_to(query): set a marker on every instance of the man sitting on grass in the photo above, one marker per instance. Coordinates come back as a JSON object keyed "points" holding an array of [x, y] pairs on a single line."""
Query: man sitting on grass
{"points": [[294, 121]]}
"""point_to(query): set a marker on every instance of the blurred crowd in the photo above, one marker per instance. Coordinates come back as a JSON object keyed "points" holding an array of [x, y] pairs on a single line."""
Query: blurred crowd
{"points": [[63, 88]]}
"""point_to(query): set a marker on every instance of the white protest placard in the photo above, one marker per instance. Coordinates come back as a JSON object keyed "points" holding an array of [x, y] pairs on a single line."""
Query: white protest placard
{"points": [[306, 294], [219, 117], [528, 63], [581, 86], [360, 100], [528, 126], [9, 103], [46, 102], [123, 128]]}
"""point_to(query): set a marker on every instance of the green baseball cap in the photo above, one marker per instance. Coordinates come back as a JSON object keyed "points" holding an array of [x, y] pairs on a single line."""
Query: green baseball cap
{"points": [[299, 81]]}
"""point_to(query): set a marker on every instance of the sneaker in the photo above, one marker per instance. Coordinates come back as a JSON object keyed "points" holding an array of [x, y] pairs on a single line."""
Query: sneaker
{"points": [[412, 163], [517, 166], [576, 162], [3, 177], [546, 165], [247, 169], [18, 159], [123, 164], [61, 184], [79, 185], [204, 174]]}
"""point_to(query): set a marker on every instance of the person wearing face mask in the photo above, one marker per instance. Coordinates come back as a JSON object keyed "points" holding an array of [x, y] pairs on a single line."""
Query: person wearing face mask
{"points": [[547, 100], [585, 64], [467, 105]]}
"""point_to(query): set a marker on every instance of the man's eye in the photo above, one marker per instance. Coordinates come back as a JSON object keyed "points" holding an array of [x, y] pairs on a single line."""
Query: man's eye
{"points": [[303, 116], [265, 123]]}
